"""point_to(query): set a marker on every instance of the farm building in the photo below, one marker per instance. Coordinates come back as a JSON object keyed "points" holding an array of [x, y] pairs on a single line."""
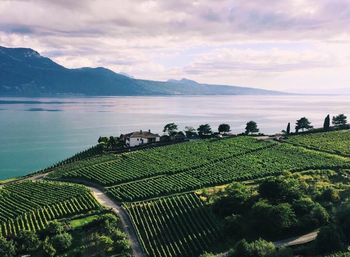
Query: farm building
{"points": [[139, 138]]}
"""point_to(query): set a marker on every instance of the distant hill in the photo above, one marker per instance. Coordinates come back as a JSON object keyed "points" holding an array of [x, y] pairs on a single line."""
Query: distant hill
{"points": [[24, 72]]}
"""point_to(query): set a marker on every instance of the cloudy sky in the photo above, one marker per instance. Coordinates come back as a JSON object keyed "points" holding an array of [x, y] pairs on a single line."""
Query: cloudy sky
{"points": [[291, 45]]}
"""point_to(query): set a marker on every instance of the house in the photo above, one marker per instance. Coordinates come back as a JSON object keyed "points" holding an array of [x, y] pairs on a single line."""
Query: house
{"points": [[139, 138]]}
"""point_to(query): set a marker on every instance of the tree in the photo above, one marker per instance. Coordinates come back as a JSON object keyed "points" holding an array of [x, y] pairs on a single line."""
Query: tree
{"points": [[303, 123], [339, 120], [224, 128], [7, 247], [48, 249], [104, 243], [329, 239], [170, 128], [54, 228], [326, 123], [204, 130], [103, 140], [62, 241], [27, 241], [122, 245], [258, 248], [251, 127], [112, 142], [288, 129], [190, 132]]}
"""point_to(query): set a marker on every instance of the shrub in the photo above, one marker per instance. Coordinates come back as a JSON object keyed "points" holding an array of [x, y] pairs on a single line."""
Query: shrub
{"points": [[329, 239], [258, 248], [7, 248], [62, 241], [27, 241]]}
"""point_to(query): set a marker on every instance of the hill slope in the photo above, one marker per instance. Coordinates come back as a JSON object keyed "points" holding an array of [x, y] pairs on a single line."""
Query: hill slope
{"points": [[24, 72]]}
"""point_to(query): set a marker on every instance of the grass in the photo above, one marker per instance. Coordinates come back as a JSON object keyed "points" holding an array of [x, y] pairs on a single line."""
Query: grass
{"points": [[78, 223]]}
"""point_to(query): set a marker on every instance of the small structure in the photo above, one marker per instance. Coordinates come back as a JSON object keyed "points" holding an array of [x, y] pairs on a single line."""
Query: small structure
{"points": [[139, 138]]}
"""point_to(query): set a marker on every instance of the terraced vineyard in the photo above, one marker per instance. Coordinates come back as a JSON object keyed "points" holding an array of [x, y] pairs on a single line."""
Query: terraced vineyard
{"points": [[173, 226], [110, 170], [265, 162], [334, 142], [31, 205]]}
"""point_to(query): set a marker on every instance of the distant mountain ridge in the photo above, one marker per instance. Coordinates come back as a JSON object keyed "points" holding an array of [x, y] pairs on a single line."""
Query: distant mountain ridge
{"points": [[24, 72]]}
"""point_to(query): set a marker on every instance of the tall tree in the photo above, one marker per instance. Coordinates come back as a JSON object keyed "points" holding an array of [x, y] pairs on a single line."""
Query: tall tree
{"points": [[224, 128], [339, 120], [326, 123], [204, 129], [190, 131], [170, 128], [303, 123], [288, 129], [251, 127]]}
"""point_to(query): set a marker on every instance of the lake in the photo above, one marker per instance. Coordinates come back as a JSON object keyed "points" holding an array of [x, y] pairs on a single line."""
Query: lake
{"points": [[37, 132]]}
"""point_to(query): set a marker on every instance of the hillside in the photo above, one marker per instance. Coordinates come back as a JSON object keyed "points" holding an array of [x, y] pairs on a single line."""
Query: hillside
{"points": [[24, 72]]}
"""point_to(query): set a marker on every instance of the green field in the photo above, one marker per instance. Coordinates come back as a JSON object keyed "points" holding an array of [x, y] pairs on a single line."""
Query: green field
{"points": [[337, 142], [174, 226], [110, 170], [31, 205]]}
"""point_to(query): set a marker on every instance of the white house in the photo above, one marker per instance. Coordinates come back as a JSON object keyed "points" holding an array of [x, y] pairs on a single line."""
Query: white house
{"points": [[139, 138]]}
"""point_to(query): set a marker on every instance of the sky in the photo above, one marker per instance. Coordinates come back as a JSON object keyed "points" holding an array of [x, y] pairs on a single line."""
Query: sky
{"points": [[290, 45]]}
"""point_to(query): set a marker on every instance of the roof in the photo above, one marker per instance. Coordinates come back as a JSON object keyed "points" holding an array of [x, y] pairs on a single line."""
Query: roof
{"points": [[141, 134]]}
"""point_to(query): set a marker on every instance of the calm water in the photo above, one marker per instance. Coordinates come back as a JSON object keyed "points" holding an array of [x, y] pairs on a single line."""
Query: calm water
{"points": [[36, 132]]}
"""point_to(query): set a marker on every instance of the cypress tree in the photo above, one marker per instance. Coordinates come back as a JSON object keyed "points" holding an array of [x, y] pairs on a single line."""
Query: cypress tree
{"points": [[288, 128], [326, 123]]}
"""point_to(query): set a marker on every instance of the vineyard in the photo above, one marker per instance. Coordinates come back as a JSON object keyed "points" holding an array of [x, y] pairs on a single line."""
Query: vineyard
{"points": [[109, 170], [265, 162], [173, 226], [31, 205], [337, 142]]}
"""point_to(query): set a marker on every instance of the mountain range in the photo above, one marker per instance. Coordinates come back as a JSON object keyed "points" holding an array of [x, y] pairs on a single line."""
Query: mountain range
{"points": [[24, 72]]}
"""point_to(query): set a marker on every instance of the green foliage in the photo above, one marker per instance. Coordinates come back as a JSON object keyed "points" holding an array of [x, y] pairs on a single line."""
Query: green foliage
{"points": [[339, 120], [337, 142], [224, 128], [326, 123], [48, 249], [170, 128], [303, 123], [251, 127], [32, 205], [329, 239], [27, 241], [173, 226], [61, 241], [54, 227], [204, 130], [258, 248], [122, 245], [7, 247]]}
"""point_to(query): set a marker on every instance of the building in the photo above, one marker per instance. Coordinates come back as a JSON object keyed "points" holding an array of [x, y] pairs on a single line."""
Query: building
{"points": [[139, 138]]}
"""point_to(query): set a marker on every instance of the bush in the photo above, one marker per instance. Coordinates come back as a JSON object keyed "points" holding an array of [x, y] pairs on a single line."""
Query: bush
{"points": [[329, 239], [258, 248], [121, 246], [7, 248], [54, 228], [48, 249], [27, 241], [62, 241]]}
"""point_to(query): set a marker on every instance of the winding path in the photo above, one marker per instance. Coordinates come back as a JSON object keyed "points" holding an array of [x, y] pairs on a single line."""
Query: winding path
{"points": [[104, 200]]}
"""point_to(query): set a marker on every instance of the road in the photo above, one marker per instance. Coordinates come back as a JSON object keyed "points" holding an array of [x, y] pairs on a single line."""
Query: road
{"points": [[292, 241], [104, 200]]}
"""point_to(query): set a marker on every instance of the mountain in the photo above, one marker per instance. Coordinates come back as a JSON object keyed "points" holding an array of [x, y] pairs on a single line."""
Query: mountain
{"points": [[24, 72]]}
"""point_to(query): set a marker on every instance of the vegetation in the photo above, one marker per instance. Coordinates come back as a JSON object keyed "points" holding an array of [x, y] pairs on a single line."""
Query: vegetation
{"points": [[302, 124], [31, 205], [326, 123], [251, 127], [339, 120], [174, 226], [224, 128], [337, 142], [171, 159], [170, 129]]}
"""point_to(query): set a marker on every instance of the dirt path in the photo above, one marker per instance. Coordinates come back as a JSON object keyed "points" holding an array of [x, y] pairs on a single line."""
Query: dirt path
{"points": [[104, 200], [297, 240]]}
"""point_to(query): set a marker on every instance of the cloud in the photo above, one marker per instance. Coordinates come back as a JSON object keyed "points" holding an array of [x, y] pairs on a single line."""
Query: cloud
{"points": [[226, 41]]}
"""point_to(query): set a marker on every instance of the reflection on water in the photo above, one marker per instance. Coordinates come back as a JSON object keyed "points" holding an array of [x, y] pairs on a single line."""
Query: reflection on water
{"points": [[36, 132]]}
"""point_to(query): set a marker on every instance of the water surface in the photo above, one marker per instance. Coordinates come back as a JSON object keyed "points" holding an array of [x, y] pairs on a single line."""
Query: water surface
{"points": [[36, 132]]}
